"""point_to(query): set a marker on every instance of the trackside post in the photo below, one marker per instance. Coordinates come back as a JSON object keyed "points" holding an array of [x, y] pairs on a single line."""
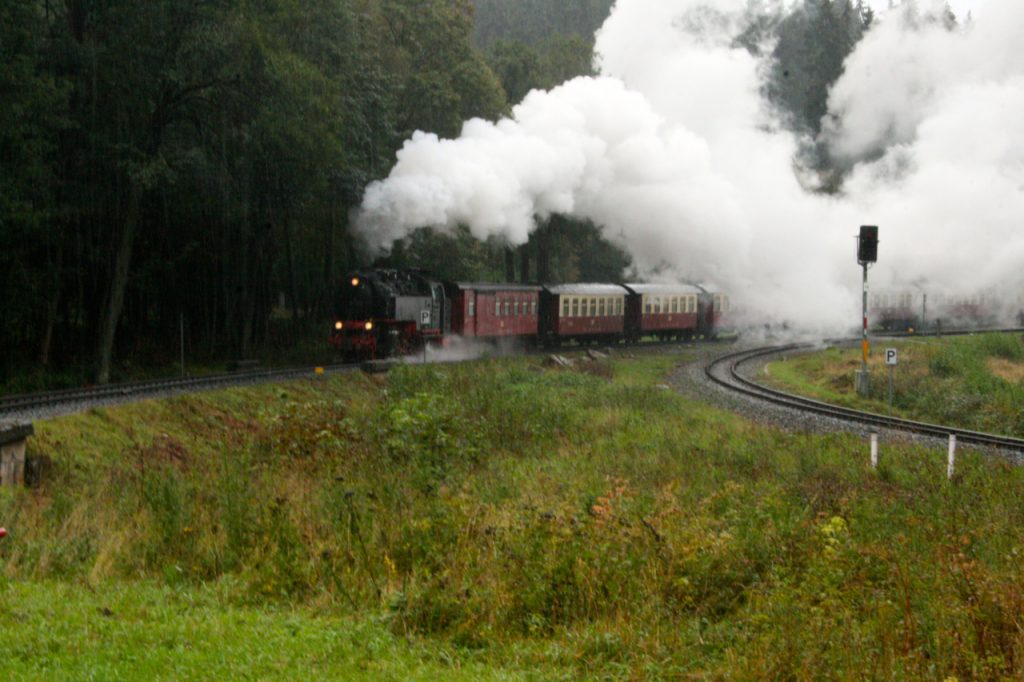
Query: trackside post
{"points": [[951, 460], [867, 253]]}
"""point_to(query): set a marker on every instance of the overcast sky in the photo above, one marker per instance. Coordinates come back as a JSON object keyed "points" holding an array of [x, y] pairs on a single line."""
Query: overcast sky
{"points": [[960, 7]]}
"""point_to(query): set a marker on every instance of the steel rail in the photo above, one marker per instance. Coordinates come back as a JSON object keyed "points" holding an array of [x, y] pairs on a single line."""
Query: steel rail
{"points": [[737, 382], [14, 404]]}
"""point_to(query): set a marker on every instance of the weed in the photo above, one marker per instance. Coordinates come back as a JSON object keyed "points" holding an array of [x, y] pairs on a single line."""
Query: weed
{"points": [[564, 522]]}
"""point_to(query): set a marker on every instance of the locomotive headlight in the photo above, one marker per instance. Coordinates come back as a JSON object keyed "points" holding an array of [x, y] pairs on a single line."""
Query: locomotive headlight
{"points": [[369, 326], [355, 281], [338, 325]]}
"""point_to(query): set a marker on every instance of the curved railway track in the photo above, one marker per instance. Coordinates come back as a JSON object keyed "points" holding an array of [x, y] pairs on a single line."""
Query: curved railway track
{"points": [[725, 371]]}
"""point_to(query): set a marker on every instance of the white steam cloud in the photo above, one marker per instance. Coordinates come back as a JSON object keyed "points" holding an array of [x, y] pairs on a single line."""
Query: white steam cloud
{"points": [[673, 152]]}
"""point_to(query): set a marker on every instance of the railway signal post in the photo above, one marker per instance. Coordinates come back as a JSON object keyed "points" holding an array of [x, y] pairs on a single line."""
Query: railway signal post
{"points": [[867, 253]]}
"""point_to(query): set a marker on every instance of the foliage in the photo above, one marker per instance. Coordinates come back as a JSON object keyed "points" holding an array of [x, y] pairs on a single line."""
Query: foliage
{"points": [[532, 22], [195, 161], [948, 381], [579, 523]]}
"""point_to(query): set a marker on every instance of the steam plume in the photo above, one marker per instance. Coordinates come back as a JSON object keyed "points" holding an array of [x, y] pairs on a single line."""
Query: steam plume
{"points": [[673, 152]]}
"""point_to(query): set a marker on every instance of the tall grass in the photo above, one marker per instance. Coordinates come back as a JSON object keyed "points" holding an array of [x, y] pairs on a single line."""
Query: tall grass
{"points": [[948, 381], [589, 521]]}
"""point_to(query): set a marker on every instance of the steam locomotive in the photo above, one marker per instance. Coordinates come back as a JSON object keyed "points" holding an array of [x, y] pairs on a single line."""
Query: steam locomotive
{"points": [[386, 312]]}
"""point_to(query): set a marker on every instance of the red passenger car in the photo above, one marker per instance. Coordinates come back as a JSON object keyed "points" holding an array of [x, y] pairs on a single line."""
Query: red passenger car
{"points": [[494, 311], [665, 310], [717, 318], [582, 313]]}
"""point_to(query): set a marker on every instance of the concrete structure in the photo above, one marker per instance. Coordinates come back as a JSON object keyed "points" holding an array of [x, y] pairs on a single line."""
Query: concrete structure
{"points": [[12, 451]]}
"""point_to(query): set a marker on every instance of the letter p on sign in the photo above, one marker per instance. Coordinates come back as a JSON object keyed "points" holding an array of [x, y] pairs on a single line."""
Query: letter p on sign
{"points": [[890, 356]]}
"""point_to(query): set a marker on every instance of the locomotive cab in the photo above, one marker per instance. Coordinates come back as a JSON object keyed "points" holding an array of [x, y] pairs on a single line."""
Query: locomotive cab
{"points": [[381, 312]]}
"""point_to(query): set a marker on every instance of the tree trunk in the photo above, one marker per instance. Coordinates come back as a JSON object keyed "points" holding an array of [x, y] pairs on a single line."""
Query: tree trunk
{"points": [[52, 305], [290, 256], [327, 283], [524, 264], [543, 254], [510, 264], [111, 313]]}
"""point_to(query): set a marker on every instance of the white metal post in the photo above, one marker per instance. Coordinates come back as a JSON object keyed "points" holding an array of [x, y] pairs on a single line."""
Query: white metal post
{"points": [[874, 450], [951, 462]]}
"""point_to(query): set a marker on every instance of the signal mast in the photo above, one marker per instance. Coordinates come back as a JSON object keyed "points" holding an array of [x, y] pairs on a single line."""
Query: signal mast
{"points": [[867, 253]]}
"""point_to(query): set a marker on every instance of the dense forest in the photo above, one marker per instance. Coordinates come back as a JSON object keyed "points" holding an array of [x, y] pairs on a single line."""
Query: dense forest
{"points": [[189, 166]]}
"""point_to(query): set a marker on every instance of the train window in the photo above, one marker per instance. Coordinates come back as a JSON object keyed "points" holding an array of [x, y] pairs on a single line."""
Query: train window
{"points": [[593, 307], [508, 307], [565, 306], [675, 304], [472, 307], [533, 307], [575, 307], [515, 308], [618, 306], [600, 307], [497, 307], [647, 305]]}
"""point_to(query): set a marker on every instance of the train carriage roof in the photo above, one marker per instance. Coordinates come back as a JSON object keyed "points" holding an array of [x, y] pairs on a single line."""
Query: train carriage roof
{"points": [[492, 287], [586, 289], [673, 289]]}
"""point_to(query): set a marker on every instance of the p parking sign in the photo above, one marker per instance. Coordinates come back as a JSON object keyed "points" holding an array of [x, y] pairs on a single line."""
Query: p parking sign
{"points": [[890, 356]]}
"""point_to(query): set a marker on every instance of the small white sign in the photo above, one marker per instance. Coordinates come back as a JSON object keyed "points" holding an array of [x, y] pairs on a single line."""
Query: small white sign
{"points": [[890, 356], [424, 317]]}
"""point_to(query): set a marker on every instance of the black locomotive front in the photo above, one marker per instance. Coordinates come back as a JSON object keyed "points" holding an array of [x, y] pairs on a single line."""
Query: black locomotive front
{"points": [[385, 312]]}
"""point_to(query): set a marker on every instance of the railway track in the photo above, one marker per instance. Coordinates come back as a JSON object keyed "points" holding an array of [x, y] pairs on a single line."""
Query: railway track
{"points": [[18, 405], [50, 403], [725, 371]]}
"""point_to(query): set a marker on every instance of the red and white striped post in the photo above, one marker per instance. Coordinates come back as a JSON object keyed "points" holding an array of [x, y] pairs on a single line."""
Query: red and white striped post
{"points": [[867, 253], [863, 383]]}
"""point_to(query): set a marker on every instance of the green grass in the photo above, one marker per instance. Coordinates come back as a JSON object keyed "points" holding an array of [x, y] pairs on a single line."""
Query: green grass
{"points": [[950, 381], [154, 632], [500, 520]]}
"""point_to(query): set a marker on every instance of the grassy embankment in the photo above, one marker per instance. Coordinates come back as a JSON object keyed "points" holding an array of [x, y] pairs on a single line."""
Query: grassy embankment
{"points": [[496, 520], [975, 382]]}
